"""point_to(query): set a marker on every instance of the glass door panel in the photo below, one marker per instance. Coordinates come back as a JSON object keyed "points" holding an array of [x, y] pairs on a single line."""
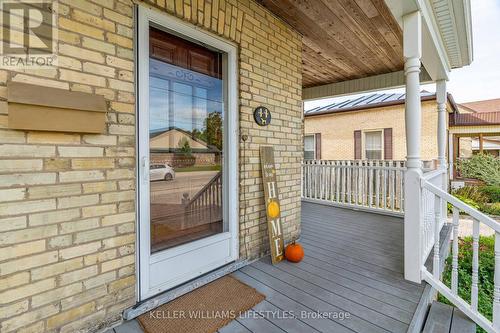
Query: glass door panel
{"points": [[186, 113]]}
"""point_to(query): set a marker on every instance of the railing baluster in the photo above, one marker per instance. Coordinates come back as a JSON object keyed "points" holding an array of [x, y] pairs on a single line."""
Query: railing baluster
{"points": [[302, 179], [309, 183], [496, 290], [308, 179], [311, 179], [315, 170], [331, 180], [401, 188], [360, 182], [323, 180], [316, 180], [454, 261], [337, 180], [437, 218], [320, 173], [365, 183], [393, 187], [344, 181], [384, 191], [349, 182], [355, 182], [326, 179], [377, 185], [475, 264]]}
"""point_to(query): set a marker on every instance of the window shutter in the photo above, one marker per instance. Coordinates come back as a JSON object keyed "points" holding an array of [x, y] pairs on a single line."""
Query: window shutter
{"points": [[388, 143], [357, 145], [317, 138]]}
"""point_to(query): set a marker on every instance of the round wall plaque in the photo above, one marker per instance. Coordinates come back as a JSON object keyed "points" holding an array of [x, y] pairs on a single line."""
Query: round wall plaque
{"points": [[262, 116]]}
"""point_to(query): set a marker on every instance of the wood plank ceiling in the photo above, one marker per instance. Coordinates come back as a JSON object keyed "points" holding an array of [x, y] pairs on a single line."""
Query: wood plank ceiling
{"points": [[343, 39]]}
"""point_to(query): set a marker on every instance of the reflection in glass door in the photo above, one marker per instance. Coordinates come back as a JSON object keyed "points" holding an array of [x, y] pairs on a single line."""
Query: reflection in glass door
{"points": [[186, 116]]}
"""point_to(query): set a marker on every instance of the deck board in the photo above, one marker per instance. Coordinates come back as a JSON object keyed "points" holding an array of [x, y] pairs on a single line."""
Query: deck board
{"points": [[234, 327], [131, 326], [285, 302], [311, 301], [353, 303], [353, 263]]}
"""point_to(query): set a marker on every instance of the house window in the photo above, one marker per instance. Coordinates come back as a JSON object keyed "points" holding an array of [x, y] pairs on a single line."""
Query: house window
{"points": [[309, 147], [373, 145]]}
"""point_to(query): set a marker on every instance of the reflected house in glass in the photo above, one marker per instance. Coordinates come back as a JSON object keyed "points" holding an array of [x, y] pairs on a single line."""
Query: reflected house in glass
{"points": [[179, 148]]}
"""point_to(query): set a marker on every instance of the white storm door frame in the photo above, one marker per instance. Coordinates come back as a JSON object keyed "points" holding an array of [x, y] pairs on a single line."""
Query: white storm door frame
{"points": [[146, 17]]}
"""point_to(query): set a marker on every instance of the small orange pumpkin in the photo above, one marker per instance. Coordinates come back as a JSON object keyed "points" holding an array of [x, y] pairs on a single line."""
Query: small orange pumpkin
{"points": [[294, 252], [273, 209]]}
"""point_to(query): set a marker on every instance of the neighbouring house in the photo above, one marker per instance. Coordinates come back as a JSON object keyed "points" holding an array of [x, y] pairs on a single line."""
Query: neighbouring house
{"points": [[488, 145], [179, 148], [370, 127], [474, 128], [88, 241]]}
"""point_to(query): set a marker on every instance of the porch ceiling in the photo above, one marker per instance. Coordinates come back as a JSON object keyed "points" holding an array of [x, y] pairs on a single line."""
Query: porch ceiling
{"points": [[343, 39]]}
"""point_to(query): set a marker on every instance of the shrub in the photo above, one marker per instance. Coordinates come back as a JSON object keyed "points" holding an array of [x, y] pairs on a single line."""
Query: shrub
{"points": [[473, 193], [484, 167], [492, 192], [486, 273], [469, 202], [492, 209], [466, 200]]}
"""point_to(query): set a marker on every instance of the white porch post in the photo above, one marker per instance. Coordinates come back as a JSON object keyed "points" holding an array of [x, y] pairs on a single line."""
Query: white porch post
{"points": [[412, 50], [441, 137], [451, 152], [441, 130]]}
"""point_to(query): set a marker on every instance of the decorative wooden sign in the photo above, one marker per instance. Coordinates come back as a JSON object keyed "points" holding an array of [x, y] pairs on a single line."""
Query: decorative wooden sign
{"points": [[39, 108], [273, 209], [262, 116]]}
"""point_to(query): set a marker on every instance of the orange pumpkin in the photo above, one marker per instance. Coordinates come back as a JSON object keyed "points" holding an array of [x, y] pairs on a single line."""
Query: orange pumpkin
{"points": [[273, 209], [294, 252]]}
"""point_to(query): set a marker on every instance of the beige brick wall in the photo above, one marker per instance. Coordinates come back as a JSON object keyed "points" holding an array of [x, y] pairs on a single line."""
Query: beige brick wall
{"points": [[337, 130], [67, 216]]}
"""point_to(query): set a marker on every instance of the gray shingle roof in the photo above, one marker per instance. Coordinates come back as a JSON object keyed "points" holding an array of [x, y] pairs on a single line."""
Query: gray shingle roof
{"points": [[363, 102]]}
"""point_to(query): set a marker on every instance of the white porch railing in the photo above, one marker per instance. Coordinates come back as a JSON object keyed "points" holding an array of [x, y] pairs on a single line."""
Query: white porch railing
{"points": [[373, 185], [430, 214], [440, 198]]}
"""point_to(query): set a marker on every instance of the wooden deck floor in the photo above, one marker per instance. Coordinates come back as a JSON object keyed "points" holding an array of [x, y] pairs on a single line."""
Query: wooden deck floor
{"points": [[353, 266]]}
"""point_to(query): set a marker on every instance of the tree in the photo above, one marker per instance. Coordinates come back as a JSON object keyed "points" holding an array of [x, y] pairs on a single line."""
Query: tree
{"points": [[185, 146], [213, 130]]}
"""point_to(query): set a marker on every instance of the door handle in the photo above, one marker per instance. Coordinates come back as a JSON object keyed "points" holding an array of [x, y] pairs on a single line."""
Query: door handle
{"points": [[144, 163]]}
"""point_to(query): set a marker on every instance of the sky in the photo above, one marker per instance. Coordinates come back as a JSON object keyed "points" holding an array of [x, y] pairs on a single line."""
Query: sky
{"points": [[481, 79]]}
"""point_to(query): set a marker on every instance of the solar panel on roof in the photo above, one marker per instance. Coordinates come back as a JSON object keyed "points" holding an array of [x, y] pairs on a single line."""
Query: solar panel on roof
{"points": [[363, 100]]}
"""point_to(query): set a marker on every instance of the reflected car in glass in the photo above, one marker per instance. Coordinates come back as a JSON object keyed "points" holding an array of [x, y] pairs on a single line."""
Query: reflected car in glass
{"points": [[161, 172]]}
